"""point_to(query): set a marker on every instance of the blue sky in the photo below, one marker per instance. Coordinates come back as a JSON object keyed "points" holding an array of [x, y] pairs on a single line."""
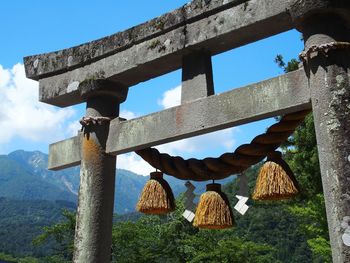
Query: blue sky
{"points": [[33, 27]]}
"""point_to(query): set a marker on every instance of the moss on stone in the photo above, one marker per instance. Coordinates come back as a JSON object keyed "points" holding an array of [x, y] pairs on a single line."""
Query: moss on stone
{"points": [[155, 43]]}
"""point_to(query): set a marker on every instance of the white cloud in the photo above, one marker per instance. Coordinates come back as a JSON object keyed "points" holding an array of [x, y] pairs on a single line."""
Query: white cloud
{"points": [[127, 114], [171, 98], [4, 77], [132, 162], [73, 128], [22, 115]]}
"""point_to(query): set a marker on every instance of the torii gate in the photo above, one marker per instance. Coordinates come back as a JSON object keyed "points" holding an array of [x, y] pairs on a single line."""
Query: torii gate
{"points": [[100, 72]]}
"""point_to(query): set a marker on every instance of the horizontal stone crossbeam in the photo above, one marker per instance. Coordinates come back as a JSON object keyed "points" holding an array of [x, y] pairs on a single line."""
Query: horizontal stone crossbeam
{"points": [[277, 96], [65, 154], [156, 47]]}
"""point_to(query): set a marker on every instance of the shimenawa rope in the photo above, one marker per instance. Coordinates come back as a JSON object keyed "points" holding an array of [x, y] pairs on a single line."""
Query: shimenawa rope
{"points": [[229, 163]]}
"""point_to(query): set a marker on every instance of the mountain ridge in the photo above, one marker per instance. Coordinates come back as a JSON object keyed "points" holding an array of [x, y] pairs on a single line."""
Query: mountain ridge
{"points": [[24, 176]]}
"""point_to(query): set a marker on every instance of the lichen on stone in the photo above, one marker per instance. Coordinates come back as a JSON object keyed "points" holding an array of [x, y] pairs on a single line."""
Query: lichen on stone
{"points": [[159, 24], [155, 43]]}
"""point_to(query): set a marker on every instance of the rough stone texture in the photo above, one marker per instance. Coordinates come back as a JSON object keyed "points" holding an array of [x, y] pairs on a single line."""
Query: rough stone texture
{"points": [[196, 9], [239, 25], [197, 77], [43, 65], [93, 232], [89, 88], [230, 26], [65, 153], [280, 95], [302, 9], [138, 63], [329, 80]]}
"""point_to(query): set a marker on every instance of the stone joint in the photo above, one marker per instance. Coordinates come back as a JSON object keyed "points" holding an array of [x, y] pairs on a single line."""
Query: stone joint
{"points": [[103, 87]]}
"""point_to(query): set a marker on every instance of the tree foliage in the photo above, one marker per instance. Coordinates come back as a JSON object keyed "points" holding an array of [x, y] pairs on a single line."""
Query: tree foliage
{"points": [[174, 239], [291, 65], [62, 234]]}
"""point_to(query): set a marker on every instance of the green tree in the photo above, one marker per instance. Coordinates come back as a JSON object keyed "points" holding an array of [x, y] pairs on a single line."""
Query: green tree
{"points": [[234, 250], [172, 238], [9, 258], [291, 65], [62, 234]]}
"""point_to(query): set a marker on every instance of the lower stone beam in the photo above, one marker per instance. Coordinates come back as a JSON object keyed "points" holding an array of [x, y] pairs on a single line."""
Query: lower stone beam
{"points": [[277, 96]]}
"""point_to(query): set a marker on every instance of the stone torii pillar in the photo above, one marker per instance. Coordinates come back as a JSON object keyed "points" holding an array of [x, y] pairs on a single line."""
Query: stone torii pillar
{"points": [[325, 25], [93, 233]]}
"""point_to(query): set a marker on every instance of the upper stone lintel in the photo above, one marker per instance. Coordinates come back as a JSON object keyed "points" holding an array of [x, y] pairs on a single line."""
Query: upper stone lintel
{"points": [[158, 46], [53, 63]]}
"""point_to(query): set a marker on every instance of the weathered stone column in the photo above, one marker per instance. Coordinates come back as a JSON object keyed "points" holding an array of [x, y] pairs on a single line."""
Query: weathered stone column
{"points": [[324, 25], [93, 233]]}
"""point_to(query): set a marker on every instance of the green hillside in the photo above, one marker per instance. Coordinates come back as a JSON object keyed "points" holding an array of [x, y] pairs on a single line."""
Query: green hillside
{"points": [[22, 220], [16, 182], [24, 175]]}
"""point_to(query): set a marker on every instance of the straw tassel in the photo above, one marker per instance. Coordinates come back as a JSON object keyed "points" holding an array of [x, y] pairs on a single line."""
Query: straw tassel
{"points": [[156, 197], [276, 180], [213, 210]]}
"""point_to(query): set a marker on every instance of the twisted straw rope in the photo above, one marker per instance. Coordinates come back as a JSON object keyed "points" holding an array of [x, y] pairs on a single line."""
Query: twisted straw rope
{"points": [[227, 164]]}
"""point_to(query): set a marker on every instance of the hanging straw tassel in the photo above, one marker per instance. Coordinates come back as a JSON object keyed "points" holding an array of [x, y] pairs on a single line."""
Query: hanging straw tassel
{"points": [[276, 180], [156, 197], [213, 210]]}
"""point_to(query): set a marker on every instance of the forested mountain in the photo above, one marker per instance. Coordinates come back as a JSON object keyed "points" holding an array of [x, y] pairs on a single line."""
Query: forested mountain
{"points": [[22, 220], [36, 163], [32, 197], [24, 176], [17, 182]]}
